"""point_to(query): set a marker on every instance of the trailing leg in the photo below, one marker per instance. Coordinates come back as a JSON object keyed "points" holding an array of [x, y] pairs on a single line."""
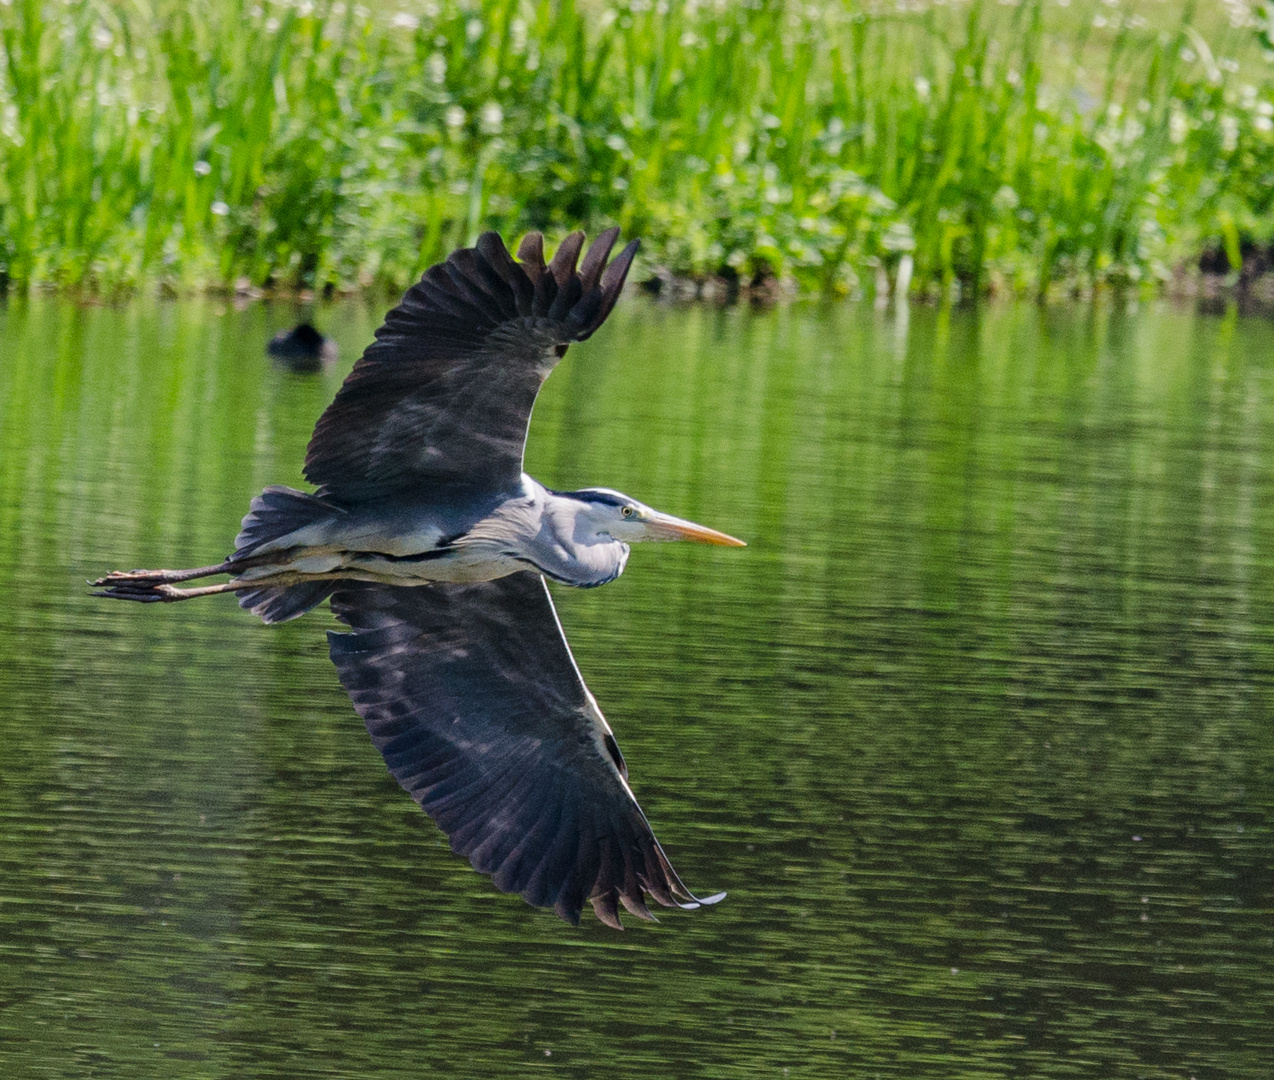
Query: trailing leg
{"points": [[155, 589], [148, 579], [274, 598]]}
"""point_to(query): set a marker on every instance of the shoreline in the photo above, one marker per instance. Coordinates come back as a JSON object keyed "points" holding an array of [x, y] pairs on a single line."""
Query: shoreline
{"points": [[1251, 291]]}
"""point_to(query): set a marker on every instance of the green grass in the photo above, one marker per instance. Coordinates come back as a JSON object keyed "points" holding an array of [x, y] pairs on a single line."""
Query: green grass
{"points": [[985, 145]]}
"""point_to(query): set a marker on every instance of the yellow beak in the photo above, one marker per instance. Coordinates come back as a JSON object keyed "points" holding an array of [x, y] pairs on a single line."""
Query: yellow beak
{"points": [[667, 527]]}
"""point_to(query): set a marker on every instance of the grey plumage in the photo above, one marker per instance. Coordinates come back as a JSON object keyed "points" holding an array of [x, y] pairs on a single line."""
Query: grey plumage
{"points": [[433, 545]]}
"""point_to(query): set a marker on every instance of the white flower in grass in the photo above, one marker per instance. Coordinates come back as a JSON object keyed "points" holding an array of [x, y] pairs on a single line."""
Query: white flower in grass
{"points": [[202, 168], [219, 208], [404, 20], [491, 118], [454, 116], [1006, 199], [1229, 134], [1178, 126]]}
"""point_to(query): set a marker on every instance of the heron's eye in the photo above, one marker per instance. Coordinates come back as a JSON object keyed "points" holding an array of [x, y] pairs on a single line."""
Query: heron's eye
{"points": [[627, 511]]}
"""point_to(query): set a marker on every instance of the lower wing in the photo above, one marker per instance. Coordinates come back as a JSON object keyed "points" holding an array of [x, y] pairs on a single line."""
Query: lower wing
{"points": [[471, 694]]}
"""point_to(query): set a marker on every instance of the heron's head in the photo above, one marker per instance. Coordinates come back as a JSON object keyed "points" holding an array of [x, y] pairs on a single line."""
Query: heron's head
{"points": [[614, 514]]}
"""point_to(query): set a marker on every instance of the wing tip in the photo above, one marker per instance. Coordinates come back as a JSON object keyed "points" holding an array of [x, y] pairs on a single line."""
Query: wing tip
{"points": [[702, 901], [585, 296], [568, 913], [606, 906], [531, 251], [566, 257]]}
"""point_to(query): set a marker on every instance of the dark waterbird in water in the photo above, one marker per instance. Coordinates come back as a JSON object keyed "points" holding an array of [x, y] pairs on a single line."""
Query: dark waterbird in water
{"points": [[302, 348], [434, 546]]}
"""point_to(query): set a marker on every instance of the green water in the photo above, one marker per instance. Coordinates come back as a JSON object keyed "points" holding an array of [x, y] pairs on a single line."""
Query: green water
{"points": [[978, 732]]}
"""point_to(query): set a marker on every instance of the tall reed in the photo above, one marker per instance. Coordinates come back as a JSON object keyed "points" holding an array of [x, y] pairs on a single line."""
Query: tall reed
{"points": [[319, 143]]}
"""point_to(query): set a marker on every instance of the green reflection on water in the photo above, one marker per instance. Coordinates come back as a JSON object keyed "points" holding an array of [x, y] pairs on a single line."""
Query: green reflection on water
{"points": [[977, 732]]}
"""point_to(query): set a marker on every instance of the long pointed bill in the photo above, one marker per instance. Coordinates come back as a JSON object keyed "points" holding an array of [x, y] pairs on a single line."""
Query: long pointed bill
{"points": [[666, 527]]}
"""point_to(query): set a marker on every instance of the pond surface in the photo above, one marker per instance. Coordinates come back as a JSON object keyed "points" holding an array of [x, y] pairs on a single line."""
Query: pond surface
{"points": [[978, 732]]}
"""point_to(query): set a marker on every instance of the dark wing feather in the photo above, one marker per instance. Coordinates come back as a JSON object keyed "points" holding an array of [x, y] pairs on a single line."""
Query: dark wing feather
{"points": [[442, 398], [472, 696]]}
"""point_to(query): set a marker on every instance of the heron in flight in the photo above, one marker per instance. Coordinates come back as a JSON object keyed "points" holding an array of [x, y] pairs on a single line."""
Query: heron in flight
{"points": [[433, 546]]}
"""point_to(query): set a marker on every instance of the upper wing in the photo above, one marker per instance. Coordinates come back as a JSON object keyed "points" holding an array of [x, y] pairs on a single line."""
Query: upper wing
{"points": [[442, 398], [472, 695]]}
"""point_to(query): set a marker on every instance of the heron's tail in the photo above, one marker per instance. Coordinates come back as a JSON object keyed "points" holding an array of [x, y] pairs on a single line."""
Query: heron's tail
{"points": [[278, 603], [278, 519]]}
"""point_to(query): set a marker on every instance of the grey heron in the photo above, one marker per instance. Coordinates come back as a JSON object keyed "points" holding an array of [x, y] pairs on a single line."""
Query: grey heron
{"points": [[433, 545]]}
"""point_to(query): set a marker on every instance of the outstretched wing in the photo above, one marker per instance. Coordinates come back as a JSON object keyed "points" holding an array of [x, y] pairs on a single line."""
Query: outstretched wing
{"points": [[443, 396], [472, 695]]}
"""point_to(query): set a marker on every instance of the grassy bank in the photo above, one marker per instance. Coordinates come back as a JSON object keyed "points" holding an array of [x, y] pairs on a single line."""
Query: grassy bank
{"points": [[322, 143]]}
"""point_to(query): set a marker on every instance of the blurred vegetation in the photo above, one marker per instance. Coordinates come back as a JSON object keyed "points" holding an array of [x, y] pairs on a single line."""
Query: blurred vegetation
{"points": [[965, 146]]}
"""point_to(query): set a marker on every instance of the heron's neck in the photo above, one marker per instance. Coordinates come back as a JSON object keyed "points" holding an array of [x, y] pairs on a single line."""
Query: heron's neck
{"points": [[567, 546]]}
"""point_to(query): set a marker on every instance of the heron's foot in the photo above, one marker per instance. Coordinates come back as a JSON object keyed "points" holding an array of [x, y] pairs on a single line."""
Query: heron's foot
{"points": [[123, 577], [157, 586], [151, 591], [141, 586], [148, 580]]}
